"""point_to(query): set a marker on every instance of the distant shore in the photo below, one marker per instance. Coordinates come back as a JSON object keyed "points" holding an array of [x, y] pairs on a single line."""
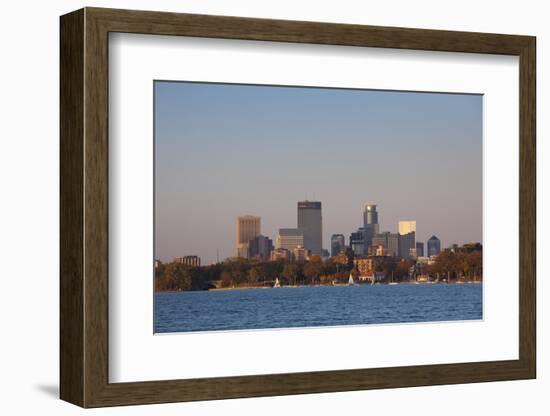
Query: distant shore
{"points": [[224, 289]]}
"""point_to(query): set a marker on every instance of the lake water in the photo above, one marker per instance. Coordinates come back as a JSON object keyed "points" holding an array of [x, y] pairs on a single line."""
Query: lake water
{"points": [[315, 306]]}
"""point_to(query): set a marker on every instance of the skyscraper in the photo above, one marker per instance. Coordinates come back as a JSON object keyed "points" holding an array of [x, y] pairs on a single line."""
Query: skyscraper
{"points": [[357, 242], [389, 241], [310, 221], [260, 247], [337, 244], [248, 228], [406, 227], [419, 249], [407, 239], [433, 246], [407, 245], [370, 224]]}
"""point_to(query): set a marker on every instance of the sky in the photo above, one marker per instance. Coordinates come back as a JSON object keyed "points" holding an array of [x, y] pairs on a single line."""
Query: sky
{"points": [[226, 150]]}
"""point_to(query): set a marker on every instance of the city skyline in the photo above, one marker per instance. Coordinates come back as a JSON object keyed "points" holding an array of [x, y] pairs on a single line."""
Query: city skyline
{"points": [[224, 151]]}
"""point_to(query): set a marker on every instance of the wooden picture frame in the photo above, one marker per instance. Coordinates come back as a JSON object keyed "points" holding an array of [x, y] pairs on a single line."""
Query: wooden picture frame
{"points": [[84, 207]]}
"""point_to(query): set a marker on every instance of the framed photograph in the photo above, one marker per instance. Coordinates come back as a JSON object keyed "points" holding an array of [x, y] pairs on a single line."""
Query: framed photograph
{"points": [[255, 207]]}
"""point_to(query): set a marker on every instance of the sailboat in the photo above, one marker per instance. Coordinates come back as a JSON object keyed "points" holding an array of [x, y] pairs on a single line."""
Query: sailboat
{"points": [[350, 281], [277, 283]]}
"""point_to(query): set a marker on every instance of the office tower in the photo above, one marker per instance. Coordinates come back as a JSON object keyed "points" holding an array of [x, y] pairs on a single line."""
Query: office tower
{"points": [[337, 244], [310, 221], [419, 249], [406, 227], [433, 246], [290, 238], [407, 243], [390, 242], [248, 228], [370, 224], [260, 247], [357, 242], [194, 261]]}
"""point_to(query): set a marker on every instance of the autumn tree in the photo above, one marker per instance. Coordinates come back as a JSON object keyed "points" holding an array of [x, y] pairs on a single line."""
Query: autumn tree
{"points": [[312, 270], [290, 272]]}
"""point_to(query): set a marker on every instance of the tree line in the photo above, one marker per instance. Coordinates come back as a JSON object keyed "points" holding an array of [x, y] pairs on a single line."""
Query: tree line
{"points": [[176, 276]]}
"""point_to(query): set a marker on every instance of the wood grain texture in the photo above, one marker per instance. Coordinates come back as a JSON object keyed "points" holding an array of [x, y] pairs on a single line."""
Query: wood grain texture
{"points": [[84, 207], [71, 208]]}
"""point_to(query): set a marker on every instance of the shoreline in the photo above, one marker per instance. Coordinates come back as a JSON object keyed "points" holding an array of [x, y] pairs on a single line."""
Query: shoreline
{"points": [[225, 289]]}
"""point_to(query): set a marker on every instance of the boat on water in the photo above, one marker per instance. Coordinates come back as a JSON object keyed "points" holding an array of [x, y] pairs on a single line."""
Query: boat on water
{"points": [[350, 281], [277, 283]]}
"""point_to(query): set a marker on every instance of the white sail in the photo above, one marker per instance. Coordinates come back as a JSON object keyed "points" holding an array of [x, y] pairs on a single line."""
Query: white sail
{"points": [[350, 281], [277, 283]]}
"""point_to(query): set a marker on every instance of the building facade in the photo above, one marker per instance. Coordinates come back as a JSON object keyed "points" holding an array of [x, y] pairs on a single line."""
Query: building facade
{"points": [[389, 241], [406, 227], [248, 228], [357, 242], [300, 253], [194, 261], [280, 254], [407, 245], [365, 267], [370, 225], [419, 249], [260, 248], [433, 246], [337, 244], [407, 233], [290, 238], [310, 221]]}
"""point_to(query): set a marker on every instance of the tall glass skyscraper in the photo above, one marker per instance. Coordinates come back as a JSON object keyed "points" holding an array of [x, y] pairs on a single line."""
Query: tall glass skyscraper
{"points": [[370, 224], [310, 221]]}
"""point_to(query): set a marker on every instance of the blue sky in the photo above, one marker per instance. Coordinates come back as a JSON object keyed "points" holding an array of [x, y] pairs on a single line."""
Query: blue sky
{"points": [[224, 150]]}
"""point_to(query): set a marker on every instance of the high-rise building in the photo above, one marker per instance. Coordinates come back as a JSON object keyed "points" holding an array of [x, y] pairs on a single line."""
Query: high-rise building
{"points": [[390, 242], [248, 228], [419, 249], [310, 221], [290, 238], [406, 227], [260, 247], [337, 244], [433, 246], [370, 224], [407, 244], [357, 242]]}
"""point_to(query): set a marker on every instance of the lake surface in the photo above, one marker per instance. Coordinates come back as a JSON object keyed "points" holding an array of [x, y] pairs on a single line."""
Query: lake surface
{"points": [[315, 306]]}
